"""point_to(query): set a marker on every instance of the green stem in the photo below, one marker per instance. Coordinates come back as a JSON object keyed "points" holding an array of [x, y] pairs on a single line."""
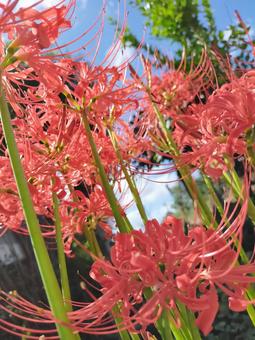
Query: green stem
{"points": [[189, 328], [125, 335], [250, 308], [92, 240], [220, 209], [42, 257], [61, 256], [192, 326], [234, 183], [122, 223], [205, 212], [164, 327], [89, 231], [134, 336], [211, 190], [130, 181]]}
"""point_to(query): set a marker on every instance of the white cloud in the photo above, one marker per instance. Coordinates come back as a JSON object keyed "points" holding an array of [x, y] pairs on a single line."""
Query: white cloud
{"points": [[155, 197], [123, 55], [227, 34]]}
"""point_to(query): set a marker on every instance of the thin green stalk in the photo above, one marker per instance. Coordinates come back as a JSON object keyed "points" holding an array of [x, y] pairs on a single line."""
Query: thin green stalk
{"points": [[234, 183], [205, 212], [61, 256], [42, 257], [164, 329], [194, 192], [134, 336], [221, 210], [250, 308], [211, 190], [124, 335], [130, 181], [122, 223], [166, 325], [89, 231], [188, 319], [92, 240], [165, 320], [193, 327]]}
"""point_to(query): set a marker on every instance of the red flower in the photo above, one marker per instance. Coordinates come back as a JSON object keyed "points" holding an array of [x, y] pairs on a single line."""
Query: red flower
{"points": [[30, 32], [164, 264], [221, 128]]}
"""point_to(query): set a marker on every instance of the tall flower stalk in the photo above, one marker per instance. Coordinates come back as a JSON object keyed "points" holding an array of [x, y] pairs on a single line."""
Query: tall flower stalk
{"points": [[61, 255], [130, 181], [122, 222], [48, 276]]}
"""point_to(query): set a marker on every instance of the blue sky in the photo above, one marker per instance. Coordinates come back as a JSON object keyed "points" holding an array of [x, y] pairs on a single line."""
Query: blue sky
{"points": [[224, 11]]}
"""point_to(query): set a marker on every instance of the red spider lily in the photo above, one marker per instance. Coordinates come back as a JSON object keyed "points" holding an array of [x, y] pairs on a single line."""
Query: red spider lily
{"points": [[30, 28], [102, 90], [171, 91], [79, 212], [174, 266], [11, 215], [221, 128], [76, 213], [31, 32], [50, 140]]}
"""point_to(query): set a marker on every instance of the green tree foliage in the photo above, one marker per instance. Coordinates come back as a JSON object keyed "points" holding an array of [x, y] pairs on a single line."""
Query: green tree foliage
{"points": [[191, 25], [179, 20]]}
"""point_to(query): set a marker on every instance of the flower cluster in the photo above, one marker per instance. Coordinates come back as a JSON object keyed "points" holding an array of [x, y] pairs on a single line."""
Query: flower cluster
{"points": [[165, 266], [220, 129], [48, 95]]}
